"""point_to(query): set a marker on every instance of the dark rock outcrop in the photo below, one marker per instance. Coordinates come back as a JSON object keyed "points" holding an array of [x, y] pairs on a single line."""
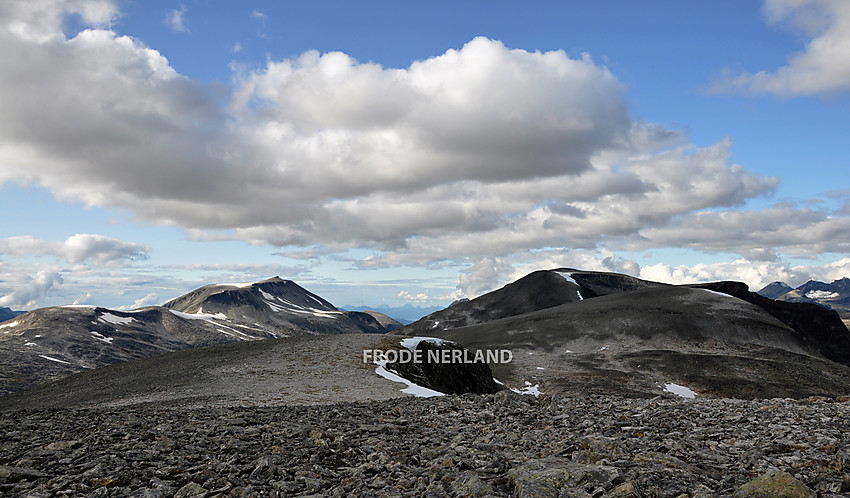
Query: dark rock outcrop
{"points": [[448, 368]]}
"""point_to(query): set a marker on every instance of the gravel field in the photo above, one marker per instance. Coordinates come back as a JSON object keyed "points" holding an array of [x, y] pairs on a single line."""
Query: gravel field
{"points": [[469, 445]]}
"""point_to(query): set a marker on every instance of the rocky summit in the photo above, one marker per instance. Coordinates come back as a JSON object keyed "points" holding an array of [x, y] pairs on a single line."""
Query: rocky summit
{"points": [[51, 343], [606, 333]]}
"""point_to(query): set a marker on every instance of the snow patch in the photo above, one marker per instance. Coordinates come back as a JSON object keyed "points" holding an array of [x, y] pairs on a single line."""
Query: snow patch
{"points": [[101, 337], [266, 295], [680, 391], [569, 278], [54, 359], [540, 368], [820, 294], [412, 342], [8, 326], [200, 316], [115, 319], [529, 389], [568, 351], [30, 344], [719, 293], [414, 389], [275, 307], [295, 308]]}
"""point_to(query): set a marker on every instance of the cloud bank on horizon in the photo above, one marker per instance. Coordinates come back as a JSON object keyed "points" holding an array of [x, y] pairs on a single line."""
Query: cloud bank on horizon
{"points": [[499, 157]]}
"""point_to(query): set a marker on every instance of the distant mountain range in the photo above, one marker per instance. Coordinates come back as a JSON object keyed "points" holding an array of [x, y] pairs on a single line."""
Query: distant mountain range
{"points": [[8, 314], [833, 296], [405, 314], [49, 343]]}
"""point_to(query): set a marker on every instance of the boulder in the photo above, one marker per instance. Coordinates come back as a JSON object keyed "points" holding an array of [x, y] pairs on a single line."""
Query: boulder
{"points": [[775, 485], [448, 377]]}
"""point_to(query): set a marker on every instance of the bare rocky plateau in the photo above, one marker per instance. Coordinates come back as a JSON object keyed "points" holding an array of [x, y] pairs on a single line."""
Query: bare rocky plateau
{"points": [[499, 444]]}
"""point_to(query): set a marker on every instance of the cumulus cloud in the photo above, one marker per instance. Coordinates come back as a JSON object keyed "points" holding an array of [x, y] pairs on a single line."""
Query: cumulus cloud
{"points": [[490, 274], [76, 249], [483, 151], [150, 299], [798, 231], [823, 67], [174, 20], [422, 297], [32, 289], [756, 274]]}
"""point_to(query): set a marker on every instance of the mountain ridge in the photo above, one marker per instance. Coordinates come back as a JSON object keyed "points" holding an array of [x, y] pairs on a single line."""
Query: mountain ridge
{"points": [[610, 333], [49, 343], [567, 330], [834, 295]]}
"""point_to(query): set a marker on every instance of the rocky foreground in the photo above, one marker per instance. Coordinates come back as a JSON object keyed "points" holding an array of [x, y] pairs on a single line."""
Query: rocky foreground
{"points": [[470, 445]]}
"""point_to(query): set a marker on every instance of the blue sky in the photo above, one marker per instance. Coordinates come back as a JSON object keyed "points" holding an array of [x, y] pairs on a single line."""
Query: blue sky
{"points": [[400, 152]]}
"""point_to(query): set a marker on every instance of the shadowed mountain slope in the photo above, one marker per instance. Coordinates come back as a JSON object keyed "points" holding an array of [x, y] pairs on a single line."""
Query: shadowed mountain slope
{"points": [[628, 336], [539, 290]]}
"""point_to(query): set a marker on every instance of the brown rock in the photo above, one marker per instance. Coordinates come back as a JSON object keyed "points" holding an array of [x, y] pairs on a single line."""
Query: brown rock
{"points": [[775, 485]]}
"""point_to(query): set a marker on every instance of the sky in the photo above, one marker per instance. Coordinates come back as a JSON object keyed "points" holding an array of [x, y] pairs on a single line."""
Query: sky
{"points": [[391, 153]]}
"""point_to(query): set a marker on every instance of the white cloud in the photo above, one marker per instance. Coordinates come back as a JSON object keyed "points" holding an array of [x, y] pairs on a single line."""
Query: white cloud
{"points": [[487, 274], [756, 274], [421, 297], [32, 289], [174, 20], [42, 20], [76, 249], [150, 299], [823, 67], [797, 231], [490, 274], [427, 163]]}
